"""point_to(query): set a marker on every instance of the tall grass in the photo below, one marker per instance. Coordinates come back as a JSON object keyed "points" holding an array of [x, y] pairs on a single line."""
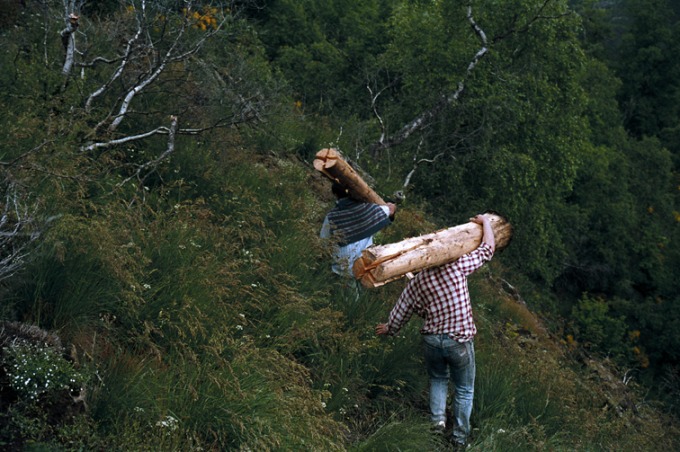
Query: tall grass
{"points": [[407, 434], [210, 320]]}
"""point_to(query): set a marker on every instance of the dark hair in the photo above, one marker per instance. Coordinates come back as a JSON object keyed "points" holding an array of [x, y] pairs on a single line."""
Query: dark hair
{"points": [[339, 190]]}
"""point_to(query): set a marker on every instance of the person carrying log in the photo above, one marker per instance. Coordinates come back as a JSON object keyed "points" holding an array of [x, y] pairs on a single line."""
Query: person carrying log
{"points": [[440, 296], [351, 224]]}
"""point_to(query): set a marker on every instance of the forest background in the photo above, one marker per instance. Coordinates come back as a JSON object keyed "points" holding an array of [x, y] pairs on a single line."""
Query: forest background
{"points": [[161, 276]]}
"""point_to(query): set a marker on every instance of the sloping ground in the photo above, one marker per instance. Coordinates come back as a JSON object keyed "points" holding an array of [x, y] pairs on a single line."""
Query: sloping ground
{"points": [[572, 401], [214, 323]]}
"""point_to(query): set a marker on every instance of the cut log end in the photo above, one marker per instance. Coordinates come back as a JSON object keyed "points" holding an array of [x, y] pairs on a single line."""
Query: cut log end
{"points": [[325, 158], [331, 164]]}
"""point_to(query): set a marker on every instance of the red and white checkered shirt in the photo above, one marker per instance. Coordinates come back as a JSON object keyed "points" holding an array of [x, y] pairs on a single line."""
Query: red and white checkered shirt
{"points": [[440, 296]]}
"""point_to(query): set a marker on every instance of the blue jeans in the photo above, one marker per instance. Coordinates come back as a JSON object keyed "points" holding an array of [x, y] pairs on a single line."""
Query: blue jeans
{"points": [[446, 358]]}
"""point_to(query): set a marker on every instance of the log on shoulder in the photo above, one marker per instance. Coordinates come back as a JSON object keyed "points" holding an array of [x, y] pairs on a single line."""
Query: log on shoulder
{"points": [[331, 164], [381, 264]]}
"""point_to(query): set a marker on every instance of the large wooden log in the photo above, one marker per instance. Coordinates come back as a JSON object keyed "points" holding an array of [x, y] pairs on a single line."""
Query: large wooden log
{"points": [[381, 264], [331, 164]]}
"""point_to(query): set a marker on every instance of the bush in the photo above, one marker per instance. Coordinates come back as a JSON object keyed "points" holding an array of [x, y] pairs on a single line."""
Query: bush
{"points": [[597, 329], [34, 370]]}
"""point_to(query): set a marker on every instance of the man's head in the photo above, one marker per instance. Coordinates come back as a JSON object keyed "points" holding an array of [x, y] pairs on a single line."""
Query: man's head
{"points": [[339, 190]]}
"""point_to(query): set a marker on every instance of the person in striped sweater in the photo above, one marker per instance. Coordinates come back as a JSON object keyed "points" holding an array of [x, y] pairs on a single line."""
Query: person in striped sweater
{"points": [[351, 225]]}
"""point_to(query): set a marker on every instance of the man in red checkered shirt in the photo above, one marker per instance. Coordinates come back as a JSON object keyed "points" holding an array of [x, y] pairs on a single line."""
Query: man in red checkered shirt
{"points": [[440, 296]]}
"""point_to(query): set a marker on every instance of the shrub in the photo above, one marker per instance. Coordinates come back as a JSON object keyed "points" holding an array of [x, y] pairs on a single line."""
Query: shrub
{"points": [[597, 328], [34, 370]]}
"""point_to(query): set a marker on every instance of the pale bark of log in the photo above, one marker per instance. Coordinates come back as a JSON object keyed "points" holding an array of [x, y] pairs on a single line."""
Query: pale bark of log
{"points": [[381, 264], [331, 164]]}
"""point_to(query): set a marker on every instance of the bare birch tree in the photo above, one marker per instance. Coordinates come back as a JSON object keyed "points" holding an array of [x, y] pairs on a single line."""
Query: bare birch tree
{"points": [[156, 44]]}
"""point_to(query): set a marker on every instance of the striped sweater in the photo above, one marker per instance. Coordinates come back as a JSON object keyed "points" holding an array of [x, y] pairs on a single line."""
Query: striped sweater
{"points": [[351, 220]]}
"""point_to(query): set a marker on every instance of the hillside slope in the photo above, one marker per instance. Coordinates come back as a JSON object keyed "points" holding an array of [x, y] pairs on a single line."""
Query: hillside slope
{"points": [[211, 321]]}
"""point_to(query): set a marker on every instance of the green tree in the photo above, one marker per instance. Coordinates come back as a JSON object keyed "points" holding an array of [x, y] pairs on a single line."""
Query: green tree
{"points": [[646, 63], [326, 49], [599, 329], [512, 141]]}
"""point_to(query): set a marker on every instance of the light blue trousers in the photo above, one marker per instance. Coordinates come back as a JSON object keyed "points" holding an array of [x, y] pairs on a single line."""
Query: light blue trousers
{"points": [[447, 359]]}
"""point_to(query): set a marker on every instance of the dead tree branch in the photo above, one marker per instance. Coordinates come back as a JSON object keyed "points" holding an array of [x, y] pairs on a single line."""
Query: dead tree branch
{"points": [[118, 72], [416, 163], [141, 46], [67, 37], [153, 164], [15, 160], [172, 55], [128, 139], [419, 122], [374, 107], [17, 231]]}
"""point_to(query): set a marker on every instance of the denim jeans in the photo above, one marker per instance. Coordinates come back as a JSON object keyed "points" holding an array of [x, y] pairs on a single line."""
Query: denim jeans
{"points": [[446, 358]]}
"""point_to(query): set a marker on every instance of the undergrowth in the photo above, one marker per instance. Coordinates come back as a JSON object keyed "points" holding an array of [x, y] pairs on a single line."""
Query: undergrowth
{"points": [[207, 318]]}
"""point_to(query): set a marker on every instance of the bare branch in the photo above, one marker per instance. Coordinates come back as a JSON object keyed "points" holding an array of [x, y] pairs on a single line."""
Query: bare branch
{"points": [[24, 155], [107, 144], [420, 121], [124, 61], [138, 88], [17, 231], [374, 107], [153, 164], [416, 163], [170, 57]]}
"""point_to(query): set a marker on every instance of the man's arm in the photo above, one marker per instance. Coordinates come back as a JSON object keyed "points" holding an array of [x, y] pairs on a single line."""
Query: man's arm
{"points": [[393, 209], [487, 231], [401, 312]]}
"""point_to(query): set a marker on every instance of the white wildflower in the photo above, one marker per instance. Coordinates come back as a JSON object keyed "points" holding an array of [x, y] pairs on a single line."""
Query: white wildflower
{"points": [[169, 422]]}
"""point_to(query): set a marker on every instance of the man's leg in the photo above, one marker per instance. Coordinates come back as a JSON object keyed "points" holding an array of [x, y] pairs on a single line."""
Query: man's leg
{"points": [[463, 375], [438, 370]]}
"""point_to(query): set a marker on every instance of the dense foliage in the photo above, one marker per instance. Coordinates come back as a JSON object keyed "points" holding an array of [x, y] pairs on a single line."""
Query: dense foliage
{"points": [[160, 215]]}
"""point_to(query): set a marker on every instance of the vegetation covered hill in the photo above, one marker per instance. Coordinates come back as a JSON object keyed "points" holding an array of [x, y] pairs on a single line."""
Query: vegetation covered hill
{"points": [[163, 285]]}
